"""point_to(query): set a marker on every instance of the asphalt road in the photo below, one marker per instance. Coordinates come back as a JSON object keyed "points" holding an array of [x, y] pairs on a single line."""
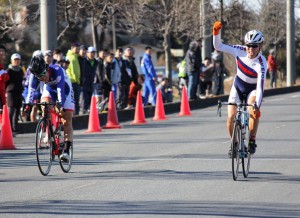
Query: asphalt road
{"points": [[173, 168]]}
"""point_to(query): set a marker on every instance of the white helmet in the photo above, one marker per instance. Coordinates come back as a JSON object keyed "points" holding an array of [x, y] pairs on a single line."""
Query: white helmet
{"points": [[254, 37]]}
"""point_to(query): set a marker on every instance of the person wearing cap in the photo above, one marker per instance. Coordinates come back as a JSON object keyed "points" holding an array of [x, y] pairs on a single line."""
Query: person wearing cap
{"points": [[91, 65], [3, 78], [14, 89], [74, 74], [148, 70]]}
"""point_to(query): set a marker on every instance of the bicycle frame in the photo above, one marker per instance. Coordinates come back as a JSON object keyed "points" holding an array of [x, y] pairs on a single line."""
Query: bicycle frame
{"points": [[239, 137]]}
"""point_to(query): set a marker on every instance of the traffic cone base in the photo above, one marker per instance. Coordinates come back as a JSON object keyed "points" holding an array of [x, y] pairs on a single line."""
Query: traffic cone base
{"points": [[139, 114], [159, 108], [112, 117], [94, 123], [6, 138], [184, 106]]}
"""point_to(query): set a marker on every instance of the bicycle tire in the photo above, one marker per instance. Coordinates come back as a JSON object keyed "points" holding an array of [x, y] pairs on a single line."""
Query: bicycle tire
{"points": [[246, 160], [66, 166], [43, 147], [235, 145]]}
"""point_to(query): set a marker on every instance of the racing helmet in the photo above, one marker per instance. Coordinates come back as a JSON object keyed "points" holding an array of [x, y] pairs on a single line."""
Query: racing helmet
{"points": [[254, 37], [38, 66]]}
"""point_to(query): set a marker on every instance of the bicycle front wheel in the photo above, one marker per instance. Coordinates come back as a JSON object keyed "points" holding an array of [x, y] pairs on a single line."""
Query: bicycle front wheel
{"points": [[43, 147], [66, 166], [235, 145], [247, 158]]}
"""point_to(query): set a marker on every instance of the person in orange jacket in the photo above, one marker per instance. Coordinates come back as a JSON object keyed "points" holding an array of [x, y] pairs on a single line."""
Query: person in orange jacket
{"points": [[3, 78]]}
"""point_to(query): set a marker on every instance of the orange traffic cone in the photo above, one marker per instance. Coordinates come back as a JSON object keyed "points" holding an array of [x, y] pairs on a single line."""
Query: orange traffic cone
{"points": [[139, 115], [112, 117], [94, 123], [184, 106], [6, 138], [159, 108]]}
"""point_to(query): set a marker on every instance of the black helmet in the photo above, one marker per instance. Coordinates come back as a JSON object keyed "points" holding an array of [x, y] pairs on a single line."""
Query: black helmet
{"points": [[38, 66]]}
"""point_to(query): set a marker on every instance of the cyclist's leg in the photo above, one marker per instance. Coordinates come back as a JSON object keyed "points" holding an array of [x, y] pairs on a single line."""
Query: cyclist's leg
{"points": [[233, 97], [68, 126], [253, 123]]}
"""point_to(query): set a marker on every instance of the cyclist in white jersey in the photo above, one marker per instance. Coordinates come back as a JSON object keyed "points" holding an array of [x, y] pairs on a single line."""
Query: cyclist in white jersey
{"points": [[249, 79]]}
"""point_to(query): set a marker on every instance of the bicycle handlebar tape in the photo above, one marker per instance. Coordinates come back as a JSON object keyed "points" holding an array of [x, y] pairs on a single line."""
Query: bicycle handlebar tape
{"points": [[112, 117], [139, 114], [159, 108], [217, 27], [184, 105], [94, 123], [6, 138]]}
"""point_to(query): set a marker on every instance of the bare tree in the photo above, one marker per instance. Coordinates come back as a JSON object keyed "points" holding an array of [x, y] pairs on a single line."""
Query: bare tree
{"points": [[13, 17], [100, 14], [162, 18]]}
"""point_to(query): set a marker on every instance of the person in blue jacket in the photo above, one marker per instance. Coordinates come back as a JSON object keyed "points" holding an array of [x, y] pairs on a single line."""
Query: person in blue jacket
{"points": [[148, 70]]}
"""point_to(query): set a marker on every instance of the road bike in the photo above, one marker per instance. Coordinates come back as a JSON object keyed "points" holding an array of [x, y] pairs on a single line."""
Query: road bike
{"points": [[240, 137], [102, 105], [49, 141]]}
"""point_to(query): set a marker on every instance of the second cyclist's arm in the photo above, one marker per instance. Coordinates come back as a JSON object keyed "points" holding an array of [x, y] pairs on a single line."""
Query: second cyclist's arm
{"points": [[261, 80], [235, 50]]}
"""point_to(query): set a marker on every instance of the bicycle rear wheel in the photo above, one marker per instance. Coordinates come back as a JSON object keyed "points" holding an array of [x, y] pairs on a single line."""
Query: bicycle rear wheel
{"points": [[66, 166], [43, 147], [246, 160], [235, 145]]}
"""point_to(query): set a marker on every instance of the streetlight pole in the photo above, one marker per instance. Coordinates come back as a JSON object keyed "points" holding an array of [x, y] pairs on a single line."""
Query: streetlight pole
{"points": [[48, 25], [290, 43]]}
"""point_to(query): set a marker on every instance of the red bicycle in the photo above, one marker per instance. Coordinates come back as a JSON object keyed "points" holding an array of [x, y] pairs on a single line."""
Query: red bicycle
{"points": [[49, 140]]}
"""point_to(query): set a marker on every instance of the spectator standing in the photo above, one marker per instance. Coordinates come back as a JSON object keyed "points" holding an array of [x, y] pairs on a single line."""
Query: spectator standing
{"points": [[130, 66], [116, 72], [82, 61], [74, 74], [57, 56], [99, 77], [193, 65], [123, 81], [272, 68], [219, 72], [182, 75], [166, 91], [48, 57], [148, 70], [14, 89], [206, 78], [91, 65], [108, 68], [3, 78]]}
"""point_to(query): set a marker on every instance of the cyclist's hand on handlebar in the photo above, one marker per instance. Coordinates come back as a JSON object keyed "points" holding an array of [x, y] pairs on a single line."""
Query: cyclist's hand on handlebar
{"points": [[217, 27]]}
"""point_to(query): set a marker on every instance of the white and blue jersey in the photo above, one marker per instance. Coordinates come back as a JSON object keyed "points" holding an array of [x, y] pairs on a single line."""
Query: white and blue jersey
{"points": [[58, 88], [251, 73]]}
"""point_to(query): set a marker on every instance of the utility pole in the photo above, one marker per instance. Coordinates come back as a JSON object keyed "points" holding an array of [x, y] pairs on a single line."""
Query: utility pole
{"points": [[48, 25], [290, 43], [207, 29]]}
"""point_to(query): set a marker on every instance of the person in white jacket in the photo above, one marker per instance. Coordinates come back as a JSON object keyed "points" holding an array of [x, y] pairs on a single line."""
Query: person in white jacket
{"points": [[249, 79]]}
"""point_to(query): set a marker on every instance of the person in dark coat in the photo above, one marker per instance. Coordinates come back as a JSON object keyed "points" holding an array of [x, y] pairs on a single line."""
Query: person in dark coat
{"points": [[91, 65], [14, 90]]}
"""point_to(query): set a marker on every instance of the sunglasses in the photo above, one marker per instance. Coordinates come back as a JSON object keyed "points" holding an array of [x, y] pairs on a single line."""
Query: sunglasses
{"points": [[253, 46]]}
